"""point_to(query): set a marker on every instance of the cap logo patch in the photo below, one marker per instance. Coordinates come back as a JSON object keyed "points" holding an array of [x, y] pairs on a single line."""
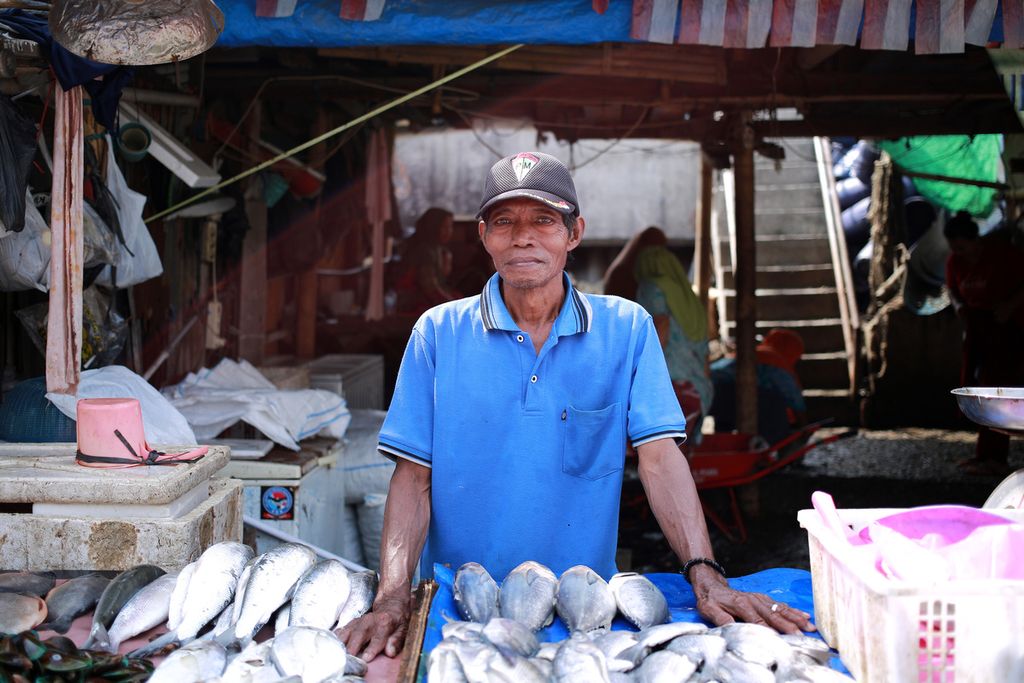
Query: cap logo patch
{"points": [[523, 163]]}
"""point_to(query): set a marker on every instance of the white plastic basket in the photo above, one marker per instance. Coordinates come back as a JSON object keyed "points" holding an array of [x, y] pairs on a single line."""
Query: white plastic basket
{"points": [[889, 631]]}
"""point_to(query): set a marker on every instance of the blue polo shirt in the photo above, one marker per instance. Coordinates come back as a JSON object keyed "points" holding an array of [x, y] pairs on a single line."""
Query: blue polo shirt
{"points": [[527, 449]]}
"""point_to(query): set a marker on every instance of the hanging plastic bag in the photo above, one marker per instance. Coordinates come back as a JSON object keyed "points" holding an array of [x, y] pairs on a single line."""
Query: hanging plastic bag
{"points": [[17, 149], [104, 330], [25, 255], [139, 260]]}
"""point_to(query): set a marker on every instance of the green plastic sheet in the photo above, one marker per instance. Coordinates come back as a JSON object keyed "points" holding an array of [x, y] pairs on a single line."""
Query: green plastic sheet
{"points": [[958, 156]]}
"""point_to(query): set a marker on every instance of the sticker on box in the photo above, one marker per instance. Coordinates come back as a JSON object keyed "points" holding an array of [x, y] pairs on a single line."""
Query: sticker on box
{"points": [[277, 502]]}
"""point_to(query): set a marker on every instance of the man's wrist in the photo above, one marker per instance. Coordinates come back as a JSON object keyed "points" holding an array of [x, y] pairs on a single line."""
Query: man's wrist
{"points": [[700, 566]]}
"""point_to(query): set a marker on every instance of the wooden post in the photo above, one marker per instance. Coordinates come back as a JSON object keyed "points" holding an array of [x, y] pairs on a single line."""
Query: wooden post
{"points": [[702, 242], [307, 284], [746, 276], [252, 298], [64, 324]]}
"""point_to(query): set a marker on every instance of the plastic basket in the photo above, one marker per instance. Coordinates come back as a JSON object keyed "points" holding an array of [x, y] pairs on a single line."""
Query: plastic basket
{"points": [[358, 377], [886, 630]]}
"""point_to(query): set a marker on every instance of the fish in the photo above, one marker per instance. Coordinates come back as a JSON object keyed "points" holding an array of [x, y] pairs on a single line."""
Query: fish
{"points": [[354, 666], [613, 644], [177, 603], [731, 668], [704, 649], [639, 600], [444, 663], [476, 593], [271, 581], [580, 661], [27, 583], [320, 594], [584, 600], [210, 590], [360, 597], [756, 644], [475, 660], [243, 581], [528, 595], [281, 617], [146, 609], [510, 637], [814, 674], [310, 653], [655, 636], [20, 613], [545, 666], [72, 599], [807, 649], [251, 665], [547, 651], [462, 630], [200, 660], [514, 669], [223, 621], [664, 666], [118, 592]]}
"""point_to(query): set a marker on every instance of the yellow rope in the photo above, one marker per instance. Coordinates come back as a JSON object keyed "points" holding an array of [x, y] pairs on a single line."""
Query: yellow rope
{"points": [[331, 133]]}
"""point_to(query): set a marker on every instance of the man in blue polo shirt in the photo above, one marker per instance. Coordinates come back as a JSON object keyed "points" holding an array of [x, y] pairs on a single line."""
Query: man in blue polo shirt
{"points": [[511, 415]]}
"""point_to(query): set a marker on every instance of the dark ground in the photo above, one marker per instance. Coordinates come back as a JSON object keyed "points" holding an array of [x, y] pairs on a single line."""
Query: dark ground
{"points": [[891, 469]]}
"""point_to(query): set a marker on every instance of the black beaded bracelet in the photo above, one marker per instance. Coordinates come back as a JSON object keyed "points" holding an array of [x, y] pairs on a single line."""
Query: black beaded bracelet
{"points": [[690, 564]]}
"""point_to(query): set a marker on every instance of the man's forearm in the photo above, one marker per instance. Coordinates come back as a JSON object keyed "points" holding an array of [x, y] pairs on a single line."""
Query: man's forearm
{"points": [[673, 498], [406, 518]]}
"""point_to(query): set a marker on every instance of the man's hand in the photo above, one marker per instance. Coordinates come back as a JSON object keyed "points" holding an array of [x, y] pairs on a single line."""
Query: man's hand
{"points": [[720, 604], [382, 629]]}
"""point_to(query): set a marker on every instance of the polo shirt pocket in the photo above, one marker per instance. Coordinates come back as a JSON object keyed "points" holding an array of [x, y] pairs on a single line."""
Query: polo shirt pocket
{"points": [[594, 446]]}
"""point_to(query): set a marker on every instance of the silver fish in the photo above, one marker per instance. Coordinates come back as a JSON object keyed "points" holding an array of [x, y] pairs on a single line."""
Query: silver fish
{"points": [[320, 594], [147, 609], [757, 644], [528, 595], [514, 669], [733, 669], [584, 600], [462, 630], [545, 666], [639, 600], [509, 636], [176, 606], [703, 648], [809, 650], [311, 653], [198, 661], [243, 581], [614, 643], [444, 664], [118, 592], [804, 673], [252, 665], [71, 600], [664, 666], [354, 666], [655, 636], [223, 622], [476, 593], [475, 660], [271, 581], [360, 597], [547, 651], [27, 583], [20, 613], [580, 661], [282, 616]]}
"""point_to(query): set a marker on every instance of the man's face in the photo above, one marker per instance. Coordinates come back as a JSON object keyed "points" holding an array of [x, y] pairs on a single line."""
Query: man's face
{"points": [[528, 242]]}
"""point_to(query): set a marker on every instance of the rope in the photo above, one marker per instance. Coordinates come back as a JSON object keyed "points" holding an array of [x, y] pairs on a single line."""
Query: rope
{"points": [[331, 133]]}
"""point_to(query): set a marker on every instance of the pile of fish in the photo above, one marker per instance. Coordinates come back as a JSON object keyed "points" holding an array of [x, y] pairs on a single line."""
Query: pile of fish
{"points": [[213, 610], [26, 657], [497, 642]]}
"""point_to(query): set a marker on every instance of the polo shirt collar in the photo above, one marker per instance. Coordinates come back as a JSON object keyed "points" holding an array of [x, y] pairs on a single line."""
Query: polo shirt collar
{"points": [[574, 317]]}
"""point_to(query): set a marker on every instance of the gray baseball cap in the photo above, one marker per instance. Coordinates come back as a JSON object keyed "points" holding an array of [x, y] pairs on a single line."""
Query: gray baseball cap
{"points": [[533, 175]]}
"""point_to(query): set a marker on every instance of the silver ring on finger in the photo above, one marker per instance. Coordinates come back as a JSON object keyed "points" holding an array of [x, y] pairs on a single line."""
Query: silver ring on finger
{"points": [[775, 607]]}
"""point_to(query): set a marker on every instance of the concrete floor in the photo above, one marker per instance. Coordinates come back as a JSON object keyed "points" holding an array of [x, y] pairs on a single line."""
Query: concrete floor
{"points": [[891, 468]]}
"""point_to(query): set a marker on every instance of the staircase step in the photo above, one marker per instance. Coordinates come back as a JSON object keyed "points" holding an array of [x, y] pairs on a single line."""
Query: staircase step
{"points": [[788, 249], [797, 221], [803, 302], [798, 197], [807, 275], [820, 336], [798, 171]]}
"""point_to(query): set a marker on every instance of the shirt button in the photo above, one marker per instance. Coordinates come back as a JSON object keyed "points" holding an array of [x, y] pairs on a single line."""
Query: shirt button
{"points": [[519, 338], [534, 379]]}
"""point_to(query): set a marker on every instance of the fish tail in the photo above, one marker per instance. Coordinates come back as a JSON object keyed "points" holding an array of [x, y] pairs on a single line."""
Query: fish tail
{"points": [[227, 639], [155, 645], [97, 632]]}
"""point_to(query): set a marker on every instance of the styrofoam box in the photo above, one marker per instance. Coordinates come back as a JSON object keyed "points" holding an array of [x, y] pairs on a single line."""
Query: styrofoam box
{"points": [[887, 630], [356, 376]]}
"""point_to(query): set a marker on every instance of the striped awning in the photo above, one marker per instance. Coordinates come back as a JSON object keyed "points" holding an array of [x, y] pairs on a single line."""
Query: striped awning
{"points": [[352, 10], [936, 26]]}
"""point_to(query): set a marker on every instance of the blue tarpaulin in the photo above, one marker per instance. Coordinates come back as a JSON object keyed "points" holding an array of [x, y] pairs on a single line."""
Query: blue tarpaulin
{"points": [[791, 586], [316, 23]]}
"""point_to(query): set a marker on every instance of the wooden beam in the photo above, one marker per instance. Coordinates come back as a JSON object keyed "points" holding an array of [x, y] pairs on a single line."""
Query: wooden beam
{"points": [[746, 270], [702, 244], [307, 283], [253, 282]]}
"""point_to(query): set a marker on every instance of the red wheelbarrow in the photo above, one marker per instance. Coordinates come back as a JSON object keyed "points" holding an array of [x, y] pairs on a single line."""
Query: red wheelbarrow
{"points": [[730, 459]]}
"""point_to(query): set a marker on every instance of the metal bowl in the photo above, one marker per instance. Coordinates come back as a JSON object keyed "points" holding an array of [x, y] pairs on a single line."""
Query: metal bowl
{"points": [[998, 407]]}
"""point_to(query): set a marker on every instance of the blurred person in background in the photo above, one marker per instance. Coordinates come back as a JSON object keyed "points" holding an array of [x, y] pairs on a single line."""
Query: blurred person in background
{"points": [[985, 276]]}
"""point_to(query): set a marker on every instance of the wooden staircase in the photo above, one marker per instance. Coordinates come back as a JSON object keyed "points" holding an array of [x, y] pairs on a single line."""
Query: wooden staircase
{"points": [[799, 272]]}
